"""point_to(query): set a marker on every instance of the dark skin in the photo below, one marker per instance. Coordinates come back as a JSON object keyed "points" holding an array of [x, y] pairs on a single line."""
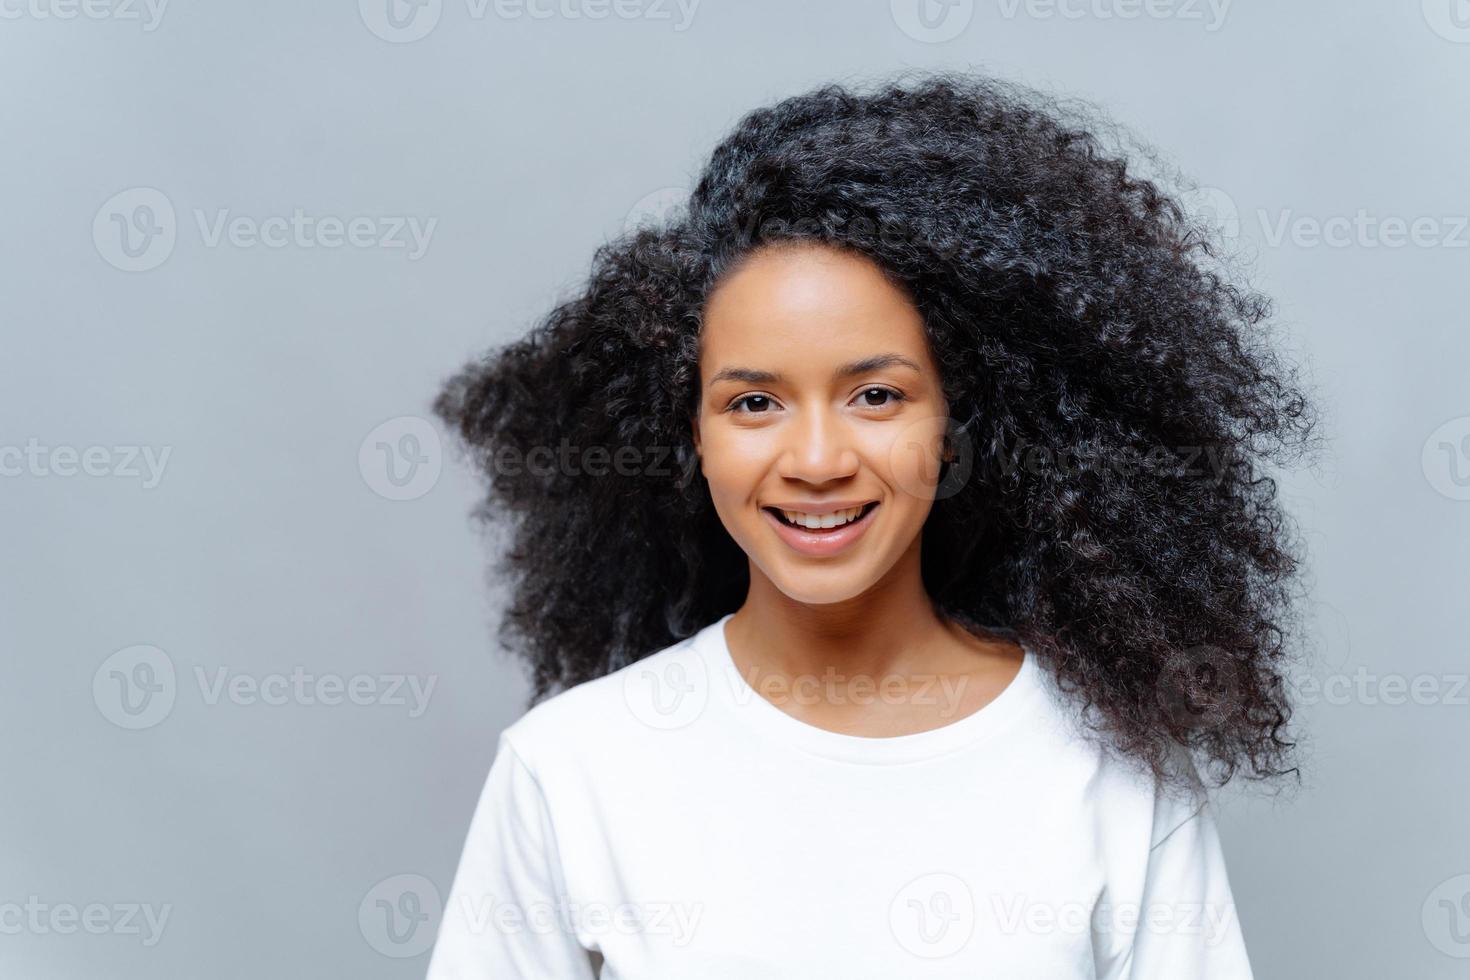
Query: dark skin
{"points": [[848, 642]]}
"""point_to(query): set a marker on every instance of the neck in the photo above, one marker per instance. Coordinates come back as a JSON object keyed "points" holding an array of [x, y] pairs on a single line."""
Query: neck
{"points": [[891, 628]]}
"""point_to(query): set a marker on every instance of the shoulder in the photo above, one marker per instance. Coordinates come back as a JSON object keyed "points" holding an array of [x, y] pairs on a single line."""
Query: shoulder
{"points": [[1127, 796], [605, 718]]}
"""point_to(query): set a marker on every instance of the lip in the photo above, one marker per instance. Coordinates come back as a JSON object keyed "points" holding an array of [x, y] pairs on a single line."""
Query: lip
{"points": [[822, 544]]}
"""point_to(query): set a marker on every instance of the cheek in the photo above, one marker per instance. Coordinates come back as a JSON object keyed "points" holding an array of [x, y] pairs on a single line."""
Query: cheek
{"points": [[907, 459], [732, 466]]}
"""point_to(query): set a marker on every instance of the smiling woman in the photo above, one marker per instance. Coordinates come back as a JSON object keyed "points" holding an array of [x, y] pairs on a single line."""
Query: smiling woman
{"points": [[872, 305], [846, 376]]}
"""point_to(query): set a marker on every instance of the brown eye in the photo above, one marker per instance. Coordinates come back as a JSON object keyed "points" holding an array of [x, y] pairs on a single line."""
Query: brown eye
{"points": [[885, 397], [759, 403]]}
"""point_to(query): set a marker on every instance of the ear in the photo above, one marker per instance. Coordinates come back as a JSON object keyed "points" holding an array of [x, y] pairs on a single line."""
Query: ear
{"points": [[694, 431]]}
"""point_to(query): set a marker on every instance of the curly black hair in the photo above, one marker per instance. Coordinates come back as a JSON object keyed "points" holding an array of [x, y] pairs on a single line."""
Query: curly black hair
{"points": [[1108, 379]]}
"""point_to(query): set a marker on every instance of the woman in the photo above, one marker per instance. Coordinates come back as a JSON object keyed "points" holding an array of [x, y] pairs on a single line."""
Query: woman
{"points": [[887, 544]]}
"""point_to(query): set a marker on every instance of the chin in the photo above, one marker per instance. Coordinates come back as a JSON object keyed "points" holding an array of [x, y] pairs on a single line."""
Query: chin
{"points": [[819, 587]]}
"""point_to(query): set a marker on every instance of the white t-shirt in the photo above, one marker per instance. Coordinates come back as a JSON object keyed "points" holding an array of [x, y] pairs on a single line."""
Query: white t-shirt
{"points": [[667, 822]]}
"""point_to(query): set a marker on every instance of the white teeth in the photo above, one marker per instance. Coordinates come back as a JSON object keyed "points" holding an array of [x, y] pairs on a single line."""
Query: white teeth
{"points": [[818, 521]]}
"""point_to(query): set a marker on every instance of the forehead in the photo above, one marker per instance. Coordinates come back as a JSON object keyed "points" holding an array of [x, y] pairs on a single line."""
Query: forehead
{"points": [[805, 300]]}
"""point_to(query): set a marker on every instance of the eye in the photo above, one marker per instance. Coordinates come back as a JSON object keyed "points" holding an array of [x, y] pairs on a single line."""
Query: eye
{"points": [[885, 396], [759, 404]]}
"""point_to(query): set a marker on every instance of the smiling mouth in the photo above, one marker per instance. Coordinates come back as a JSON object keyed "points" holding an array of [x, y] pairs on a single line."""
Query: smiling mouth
{"points": [[861, 516]]}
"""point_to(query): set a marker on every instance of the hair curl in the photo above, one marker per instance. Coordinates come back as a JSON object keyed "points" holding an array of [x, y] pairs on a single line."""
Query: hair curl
{"points": [[1080, 317]]}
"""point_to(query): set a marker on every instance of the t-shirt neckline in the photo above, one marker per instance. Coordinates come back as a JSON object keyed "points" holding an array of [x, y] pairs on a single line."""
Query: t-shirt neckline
{"points": [[738, 695]]}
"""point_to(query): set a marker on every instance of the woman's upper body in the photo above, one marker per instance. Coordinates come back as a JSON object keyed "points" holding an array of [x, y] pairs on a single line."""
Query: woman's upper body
{"points": [[666, 820], [921, 355]]}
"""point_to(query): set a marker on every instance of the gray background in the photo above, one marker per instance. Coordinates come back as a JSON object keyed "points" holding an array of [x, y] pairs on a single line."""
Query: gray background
{"points": [[270, 543]]}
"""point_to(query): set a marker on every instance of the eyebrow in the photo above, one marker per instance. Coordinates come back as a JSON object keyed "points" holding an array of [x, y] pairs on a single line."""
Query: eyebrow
{"points": [[866, 365]]}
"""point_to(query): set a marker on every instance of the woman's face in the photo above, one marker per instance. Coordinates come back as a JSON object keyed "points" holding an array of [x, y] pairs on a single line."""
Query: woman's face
{"points": [[818, 395]]}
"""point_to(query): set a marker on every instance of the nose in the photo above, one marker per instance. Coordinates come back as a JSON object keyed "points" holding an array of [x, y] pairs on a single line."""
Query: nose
{"points": [[816, 447]]}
